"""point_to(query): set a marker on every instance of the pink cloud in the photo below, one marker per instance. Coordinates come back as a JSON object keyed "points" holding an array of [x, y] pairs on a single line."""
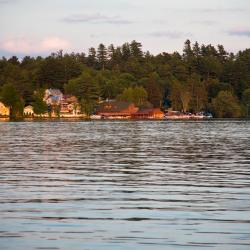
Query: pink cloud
{"points": [[54, 43], [239, 32], [26, 45]]}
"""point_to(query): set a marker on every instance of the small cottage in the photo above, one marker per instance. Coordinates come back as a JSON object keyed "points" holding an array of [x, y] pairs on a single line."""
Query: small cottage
{"points": [[4, 111], [28, 111]]}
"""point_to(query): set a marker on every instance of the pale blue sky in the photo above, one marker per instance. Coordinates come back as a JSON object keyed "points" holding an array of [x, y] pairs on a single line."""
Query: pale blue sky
{"points": [[42, 26]]}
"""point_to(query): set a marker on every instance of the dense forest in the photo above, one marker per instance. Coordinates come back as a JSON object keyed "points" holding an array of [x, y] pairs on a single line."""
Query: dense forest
{"points": [[202, 78]]}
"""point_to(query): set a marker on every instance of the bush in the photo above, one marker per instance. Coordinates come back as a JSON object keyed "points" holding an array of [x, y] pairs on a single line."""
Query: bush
{"points": [[226, 105]]}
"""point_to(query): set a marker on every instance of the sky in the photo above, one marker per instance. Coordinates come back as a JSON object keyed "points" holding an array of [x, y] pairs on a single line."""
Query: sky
{"points": [[39, 27]]}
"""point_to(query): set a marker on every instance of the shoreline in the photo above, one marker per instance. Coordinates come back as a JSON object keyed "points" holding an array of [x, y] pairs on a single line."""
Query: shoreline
{"points": [[67, 119]]}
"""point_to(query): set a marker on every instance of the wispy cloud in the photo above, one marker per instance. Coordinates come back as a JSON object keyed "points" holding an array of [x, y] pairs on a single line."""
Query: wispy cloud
{"points": [[205, 22], [239, 32], [7, 1], [24, 45], [169, 34], [96, 18], [207, 10], [219, 10]]}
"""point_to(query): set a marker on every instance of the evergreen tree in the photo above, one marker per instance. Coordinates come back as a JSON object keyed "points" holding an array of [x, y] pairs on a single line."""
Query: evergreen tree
{"points": [[102, 56], [86, 90], [153, 89], [196, 49], [91, 59], [136, 49], [126, 53], [175, 98], [51, 72], [205, 69], [187, 51]]}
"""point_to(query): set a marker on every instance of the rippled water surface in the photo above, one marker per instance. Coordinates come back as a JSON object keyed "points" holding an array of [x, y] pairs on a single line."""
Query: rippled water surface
{"points": [[125, 185]]}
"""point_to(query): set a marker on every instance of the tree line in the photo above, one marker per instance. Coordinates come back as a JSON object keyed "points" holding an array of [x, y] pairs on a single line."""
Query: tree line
{"points": [[201, 78]]}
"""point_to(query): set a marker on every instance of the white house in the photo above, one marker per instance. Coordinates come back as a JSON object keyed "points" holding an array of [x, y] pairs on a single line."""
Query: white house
{"points": [[28, 111]]}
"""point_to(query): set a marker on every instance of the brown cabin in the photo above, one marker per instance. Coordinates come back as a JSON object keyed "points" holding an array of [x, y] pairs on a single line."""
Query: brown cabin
{"points": [[116, 110], [154, 113]]}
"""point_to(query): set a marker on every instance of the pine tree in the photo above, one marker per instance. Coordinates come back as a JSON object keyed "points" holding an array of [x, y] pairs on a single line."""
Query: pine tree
{"points": [[153, 89], [91, 59], [102, 56]]}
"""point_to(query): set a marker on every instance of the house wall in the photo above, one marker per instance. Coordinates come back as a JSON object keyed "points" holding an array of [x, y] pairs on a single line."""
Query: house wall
{"points": [[4, 111], [28, 111], [132, 109]]}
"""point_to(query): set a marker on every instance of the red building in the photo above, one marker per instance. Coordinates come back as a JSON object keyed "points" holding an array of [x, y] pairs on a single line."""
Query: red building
{"points": [[154, 113], [116, 110]]}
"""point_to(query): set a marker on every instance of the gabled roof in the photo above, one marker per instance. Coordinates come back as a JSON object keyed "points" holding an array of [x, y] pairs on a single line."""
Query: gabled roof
{"points": [[148, 111], [69, 98], [113, 106], [28, 107], [55, 92]]}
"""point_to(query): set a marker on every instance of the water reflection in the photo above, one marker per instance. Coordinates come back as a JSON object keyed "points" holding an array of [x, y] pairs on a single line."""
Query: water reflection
{"points": [[125, 185]]}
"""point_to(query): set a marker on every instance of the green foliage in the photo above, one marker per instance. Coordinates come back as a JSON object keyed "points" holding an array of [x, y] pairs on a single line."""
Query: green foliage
{"points": [[246, 102], [175, 98], [198, 92], [188, 81], [154, 91], [87, 107], [92, 60], [214, 86], [83, 87], [126, 80], [56, 70], [136, 49], [10, 97], [126, 52], [106, 84], [136, 95], [226, 105], [102, 56], [246, 97], [39, 106], [86, 90], [185, 96], [140, 96]]}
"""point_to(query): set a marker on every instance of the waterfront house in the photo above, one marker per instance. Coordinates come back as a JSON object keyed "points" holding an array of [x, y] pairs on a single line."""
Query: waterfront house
{"points": [[53, 97], [28, 111], [154, 113], [4, 111], [116, 110], [69, 106]]}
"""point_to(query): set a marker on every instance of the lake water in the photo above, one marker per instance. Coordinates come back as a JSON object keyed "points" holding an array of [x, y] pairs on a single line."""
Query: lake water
{"points": [[119, 185]]}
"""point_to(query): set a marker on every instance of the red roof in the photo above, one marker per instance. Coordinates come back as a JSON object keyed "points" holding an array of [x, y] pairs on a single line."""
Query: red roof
{"points": [[148, 112]]}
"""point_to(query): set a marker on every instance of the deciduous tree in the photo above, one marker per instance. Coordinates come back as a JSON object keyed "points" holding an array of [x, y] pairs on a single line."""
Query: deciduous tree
{"points": [[226, 105], [10, 97]]}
